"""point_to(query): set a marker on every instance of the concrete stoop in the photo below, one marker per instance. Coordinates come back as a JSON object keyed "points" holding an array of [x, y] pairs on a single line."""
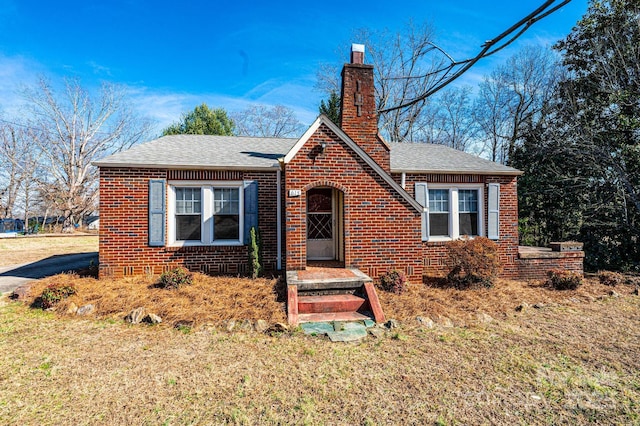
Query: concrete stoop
{"points": [[327, 295]]}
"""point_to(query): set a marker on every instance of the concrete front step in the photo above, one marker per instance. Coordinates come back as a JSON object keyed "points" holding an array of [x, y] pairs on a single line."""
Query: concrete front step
{"points": [[332, 316], [330, 303]]}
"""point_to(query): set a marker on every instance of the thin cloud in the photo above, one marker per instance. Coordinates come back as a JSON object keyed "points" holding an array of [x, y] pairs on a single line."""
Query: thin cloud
{"points": [[99, 69], [16, 73]]}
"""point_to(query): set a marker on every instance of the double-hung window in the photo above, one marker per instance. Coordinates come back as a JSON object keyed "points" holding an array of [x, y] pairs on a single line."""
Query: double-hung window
{"points": [[451, 211], [206, 213], [226, 213], [188, 214], [439, 212], [468, 217]]}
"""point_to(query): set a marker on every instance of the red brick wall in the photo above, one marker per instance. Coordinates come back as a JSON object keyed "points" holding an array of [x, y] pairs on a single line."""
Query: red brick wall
{"points": [[382, 231], [123, 245], [536, 268], [434, 254], [363, 127]]}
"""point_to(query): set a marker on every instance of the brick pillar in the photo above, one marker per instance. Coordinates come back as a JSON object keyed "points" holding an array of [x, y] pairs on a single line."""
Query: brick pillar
{"points": [[358, 118]]}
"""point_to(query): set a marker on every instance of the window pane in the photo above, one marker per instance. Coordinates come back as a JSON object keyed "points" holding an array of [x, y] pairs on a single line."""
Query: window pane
{"points": [[188, 200], [226, 227], [226, 201], [188, 227], [438, 224], [468, 201], [469, 224], [439, 200]]}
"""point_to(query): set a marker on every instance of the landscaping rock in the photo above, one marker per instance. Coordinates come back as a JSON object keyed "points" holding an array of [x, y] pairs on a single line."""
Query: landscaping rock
{"points": [[72, 309], [392, 324], [522, 307], [369, 323], [376, 332], [245, 325], [349, 332], [636, 291], [443, 321], [135, 316], [230, 325], [261, 326], [539, 305], [425, 322], [152, 319], [613, 293], [86, 310], [484, 318], [21, 292], [278, 328]]}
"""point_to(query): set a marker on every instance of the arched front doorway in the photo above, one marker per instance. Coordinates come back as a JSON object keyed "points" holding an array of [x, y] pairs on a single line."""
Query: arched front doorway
{"points": [[325, 224]]}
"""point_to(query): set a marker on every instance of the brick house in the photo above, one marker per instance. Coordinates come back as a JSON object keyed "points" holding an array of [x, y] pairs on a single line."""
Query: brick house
{"points": [[338, 194]]}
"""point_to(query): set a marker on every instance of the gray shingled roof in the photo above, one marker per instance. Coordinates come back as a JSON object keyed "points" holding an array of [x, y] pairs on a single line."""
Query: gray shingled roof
{"points": [[431, 158], [203, 151], [249, 153]]}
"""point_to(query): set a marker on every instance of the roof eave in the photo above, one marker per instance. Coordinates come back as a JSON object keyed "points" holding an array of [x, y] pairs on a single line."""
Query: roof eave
{"points": [[461, 172], [271, 167]]}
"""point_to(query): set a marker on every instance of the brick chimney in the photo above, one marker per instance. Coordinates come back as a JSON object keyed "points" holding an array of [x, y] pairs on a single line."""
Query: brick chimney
{"points": [[358, 117]]}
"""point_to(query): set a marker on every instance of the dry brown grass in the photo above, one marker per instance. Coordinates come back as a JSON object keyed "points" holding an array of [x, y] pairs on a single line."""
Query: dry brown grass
{"points": [[207, 300], [435, 299], [572, 363], [26, 249], [212, 300]]}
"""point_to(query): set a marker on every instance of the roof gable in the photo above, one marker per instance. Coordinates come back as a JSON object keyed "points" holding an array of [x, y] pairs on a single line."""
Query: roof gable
{"points": [[323, 119]]}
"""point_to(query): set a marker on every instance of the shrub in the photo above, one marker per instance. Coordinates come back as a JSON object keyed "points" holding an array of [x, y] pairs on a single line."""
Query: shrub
{"points": [[54, 293], [561, 279], [473, 261], [394, 281], [255, 266], [175, 278], [610, 278]]}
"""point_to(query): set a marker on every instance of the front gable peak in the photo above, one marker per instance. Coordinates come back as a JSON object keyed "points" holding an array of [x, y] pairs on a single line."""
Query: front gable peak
{"points": [[323, 119]]}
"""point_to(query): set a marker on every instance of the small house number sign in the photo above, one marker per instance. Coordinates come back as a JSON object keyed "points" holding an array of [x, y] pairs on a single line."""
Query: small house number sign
{"points": [[295, 193]]}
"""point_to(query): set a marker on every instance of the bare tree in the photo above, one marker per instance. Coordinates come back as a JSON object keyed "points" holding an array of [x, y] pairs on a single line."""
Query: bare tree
{"points": [[513, 96], [410, 67], [408, 52], [455, 118], [74, 129], [259, 120], [18, 168], [441, 76]]}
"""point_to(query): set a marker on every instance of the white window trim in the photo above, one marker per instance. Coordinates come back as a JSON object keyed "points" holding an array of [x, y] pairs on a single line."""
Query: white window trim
{"points": [[454, 218], [206, 231]]}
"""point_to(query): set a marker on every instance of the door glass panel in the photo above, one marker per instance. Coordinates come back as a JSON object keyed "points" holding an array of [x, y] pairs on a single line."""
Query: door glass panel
{"points": [[319, 200], [319, 214]]}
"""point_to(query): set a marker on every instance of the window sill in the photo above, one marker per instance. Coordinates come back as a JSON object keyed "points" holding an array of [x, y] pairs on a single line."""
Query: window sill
{"points": [[223, 243], [445, 239]]}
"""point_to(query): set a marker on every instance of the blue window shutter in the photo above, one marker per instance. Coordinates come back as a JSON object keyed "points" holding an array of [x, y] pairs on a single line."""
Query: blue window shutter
{"points": [[157, 212], [493, 202], [250, 208], [422, 197]]}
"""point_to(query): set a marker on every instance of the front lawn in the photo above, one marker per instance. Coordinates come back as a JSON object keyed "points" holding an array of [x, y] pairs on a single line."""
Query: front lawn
{"points": [[573, 361]]}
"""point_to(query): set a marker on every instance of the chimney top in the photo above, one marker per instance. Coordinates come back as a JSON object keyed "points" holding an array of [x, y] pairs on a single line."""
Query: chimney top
{"points": [[357, 53]]}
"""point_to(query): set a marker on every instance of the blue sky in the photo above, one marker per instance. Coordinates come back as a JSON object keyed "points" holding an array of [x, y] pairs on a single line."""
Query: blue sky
{"points": [[175, 55]]}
